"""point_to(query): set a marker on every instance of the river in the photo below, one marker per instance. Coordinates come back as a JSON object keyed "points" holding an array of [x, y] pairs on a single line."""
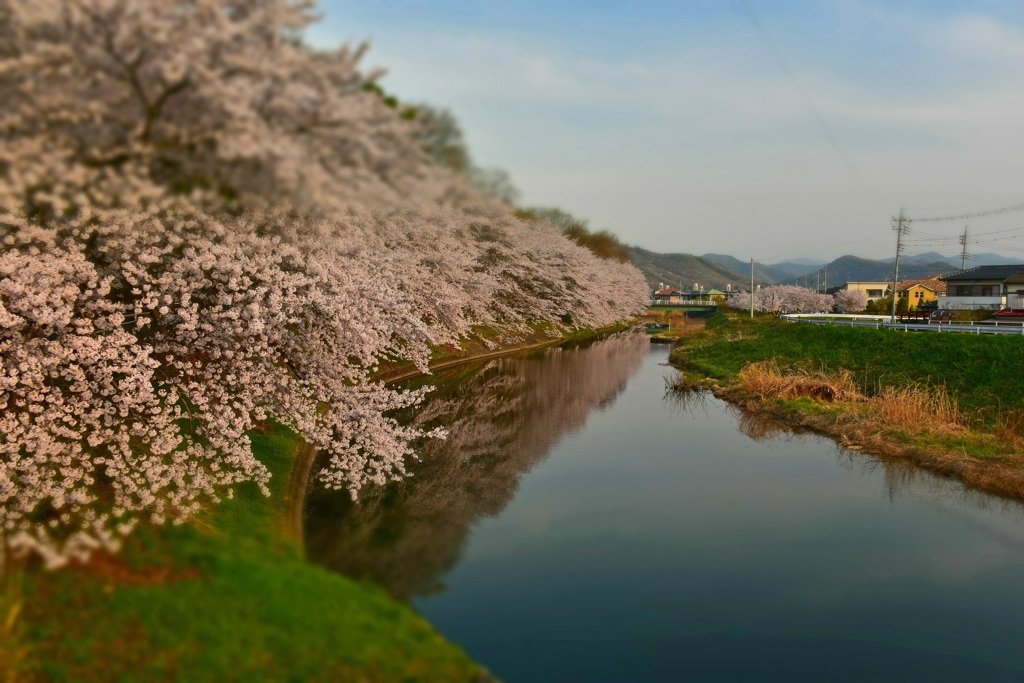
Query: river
{"points": [[579, 525]]}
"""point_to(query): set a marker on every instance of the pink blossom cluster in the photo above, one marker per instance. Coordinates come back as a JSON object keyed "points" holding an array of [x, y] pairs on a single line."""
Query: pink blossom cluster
{"points": [[139, 347], [851, 301], [784, 299], [205, 225], [113, 101]]}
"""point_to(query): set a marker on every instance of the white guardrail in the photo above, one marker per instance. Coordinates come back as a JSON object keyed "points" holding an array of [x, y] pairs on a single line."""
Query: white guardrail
{"points": [[884, 321]]}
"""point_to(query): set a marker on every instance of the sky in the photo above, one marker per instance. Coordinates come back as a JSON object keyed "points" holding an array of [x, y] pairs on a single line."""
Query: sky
{"points": [[755, 128]]}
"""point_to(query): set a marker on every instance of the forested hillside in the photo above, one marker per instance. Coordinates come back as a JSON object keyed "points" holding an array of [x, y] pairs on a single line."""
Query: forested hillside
{"points": [[717, 270], [762, 273], [683, 270], [855, 269]]}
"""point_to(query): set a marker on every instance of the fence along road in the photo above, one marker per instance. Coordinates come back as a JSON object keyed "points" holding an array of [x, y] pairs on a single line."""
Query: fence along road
{"points": [[879, 322]]}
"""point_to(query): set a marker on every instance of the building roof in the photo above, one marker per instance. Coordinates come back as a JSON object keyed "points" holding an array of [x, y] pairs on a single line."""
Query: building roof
{"points": [[985, 273], [666, 292], [1015, 279], [927, 283]]}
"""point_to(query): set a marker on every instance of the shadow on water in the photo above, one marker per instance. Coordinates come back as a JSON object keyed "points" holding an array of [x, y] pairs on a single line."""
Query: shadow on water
{"points": [[502, 417]]}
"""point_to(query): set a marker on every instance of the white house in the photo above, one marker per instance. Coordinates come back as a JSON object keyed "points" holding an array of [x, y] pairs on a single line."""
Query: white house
{"points": [[991, 287]]}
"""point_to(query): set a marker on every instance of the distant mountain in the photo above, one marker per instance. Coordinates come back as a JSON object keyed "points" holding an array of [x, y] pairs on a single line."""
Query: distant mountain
{"points": [[796, 268], [719, 270], [855, 269], [683, 270], [927, 257], [762, 273], [807, 264], [985, 259]]}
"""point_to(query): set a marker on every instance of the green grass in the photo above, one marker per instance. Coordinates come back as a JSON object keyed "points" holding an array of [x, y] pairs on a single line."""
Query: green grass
{"points": [[982, 371], [807, 405], [717, 319], [227, 598]]}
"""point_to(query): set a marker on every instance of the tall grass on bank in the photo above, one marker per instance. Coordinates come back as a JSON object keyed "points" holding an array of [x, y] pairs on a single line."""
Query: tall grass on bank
{"points": [[918, 408], [982, 371], [1010, 427], [768, 379], [912, 409]]}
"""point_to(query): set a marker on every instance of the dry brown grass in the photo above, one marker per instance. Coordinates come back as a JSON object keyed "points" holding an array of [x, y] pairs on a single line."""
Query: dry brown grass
{"points": [[918, 408], [1010, 427], [912, 409], [768, 380]]}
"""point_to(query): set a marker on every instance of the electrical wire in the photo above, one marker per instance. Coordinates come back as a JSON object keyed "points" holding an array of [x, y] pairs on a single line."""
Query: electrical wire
{"points": [[976, 214]]}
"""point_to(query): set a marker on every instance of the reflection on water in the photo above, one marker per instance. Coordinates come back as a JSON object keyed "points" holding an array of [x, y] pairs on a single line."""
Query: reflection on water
{"points": [[698, 401], [502, 417], [677, 539], [758, 426], [900, 478]]}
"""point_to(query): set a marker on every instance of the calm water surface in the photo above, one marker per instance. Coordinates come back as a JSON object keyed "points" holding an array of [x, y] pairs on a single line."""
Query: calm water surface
{"points": [[576, 525]]}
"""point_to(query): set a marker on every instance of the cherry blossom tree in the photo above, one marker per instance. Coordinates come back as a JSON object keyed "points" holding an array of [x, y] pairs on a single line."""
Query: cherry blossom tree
{"points": [[207, 224], [784, 299], [850, 301], [112, 101]]}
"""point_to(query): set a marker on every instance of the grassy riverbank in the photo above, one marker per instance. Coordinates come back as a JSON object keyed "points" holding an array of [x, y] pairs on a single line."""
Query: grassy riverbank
{"points": [[953, 403], [228, 597]]}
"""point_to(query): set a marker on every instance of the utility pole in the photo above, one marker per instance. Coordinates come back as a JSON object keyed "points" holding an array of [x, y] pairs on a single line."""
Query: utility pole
{"points": [[896, 272], [817, 286], [963, 241], [751, 289], [826, 280]]}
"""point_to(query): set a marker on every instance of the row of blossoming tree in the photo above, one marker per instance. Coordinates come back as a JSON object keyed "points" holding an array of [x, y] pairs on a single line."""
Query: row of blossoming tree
{"points": [[207, 224], [791, 299]]}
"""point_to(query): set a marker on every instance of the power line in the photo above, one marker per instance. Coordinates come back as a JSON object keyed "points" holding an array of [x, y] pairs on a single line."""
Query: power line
{"points": [[925, 234], [976, 214], [997, 232]]}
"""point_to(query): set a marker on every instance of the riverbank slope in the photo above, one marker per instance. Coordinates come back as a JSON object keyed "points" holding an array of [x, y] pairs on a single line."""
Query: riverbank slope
{"points": [[228, 596], [951, 403]]}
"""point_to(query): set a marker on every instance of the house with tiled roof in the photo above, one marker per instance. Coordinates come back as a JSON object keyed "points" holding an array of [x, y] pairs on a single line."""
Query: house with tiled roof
{"points": [[920, 292], [666, 297], [992, 287]]}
